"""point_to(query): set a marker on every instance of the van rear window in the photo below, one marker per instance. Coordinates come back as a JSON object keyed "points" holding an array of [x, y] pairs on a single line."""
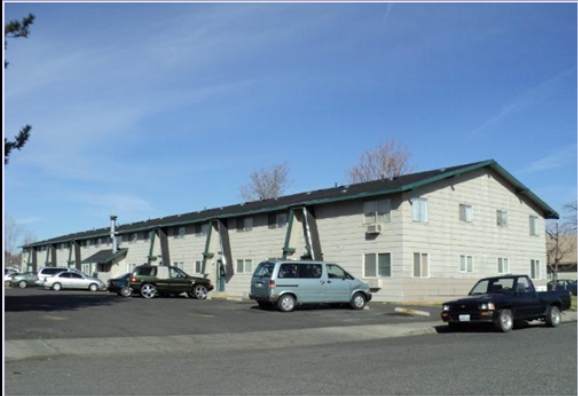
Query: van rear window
{"points": [[264, 269]]}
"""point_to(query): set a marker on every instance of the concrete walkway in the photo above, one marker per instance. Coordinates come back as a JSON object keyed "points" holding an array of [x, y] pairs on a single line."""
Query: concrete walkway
{"points": [[53, 348]]}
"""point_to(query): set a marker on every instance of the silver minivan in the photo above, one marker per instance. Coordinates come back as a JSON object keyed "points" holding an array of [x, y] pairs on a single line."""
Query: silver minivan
{"points": [[286, 283]]}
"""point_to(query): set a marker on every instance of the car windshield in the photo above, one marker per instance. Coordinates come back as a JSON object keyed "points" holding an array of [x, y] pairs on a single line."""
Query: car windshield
{"points": [[494, 285]]}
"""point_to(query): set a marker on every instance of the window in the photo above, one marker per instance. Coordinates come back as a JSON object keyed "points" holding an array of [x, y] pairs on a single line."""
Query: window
{"points": [[98, 242], [502, 218], [198, 267], [535, 272], [466, 213], [533, 225], [130, 267], [149, 235], [179, 232], [179, 264], [503, 265], [334, 272], [419, 209], [466, 263], [134, 238], [277, 220], [244, 266], [420, 265], [377, 212], [377, 265], [244, 224], [201, 229]]}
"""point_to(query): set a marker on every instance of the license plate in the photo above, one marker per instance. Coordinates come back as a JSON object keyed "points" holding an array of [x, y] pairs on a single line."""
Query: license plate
{"points": [[464, 318], [258, 285]]}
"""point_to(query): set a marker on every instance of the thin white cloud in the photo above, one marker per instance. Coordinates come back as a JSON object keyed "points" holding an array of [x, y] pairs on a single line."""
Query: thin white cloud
{"points": [[115, 203], [28, 220], [534, 94], [559, 159]]}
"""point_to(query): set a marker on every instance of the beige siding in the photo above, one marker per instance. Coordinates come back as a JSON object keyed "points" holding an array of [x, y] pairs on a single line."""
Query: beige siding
{"points": [[444, 237]]}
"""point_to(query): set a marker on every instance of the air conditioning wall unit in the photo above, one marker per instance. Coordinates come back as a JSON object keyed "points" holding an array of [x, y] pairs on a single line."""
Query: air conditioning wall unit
{"points": [[374, 283], [373, 229]]}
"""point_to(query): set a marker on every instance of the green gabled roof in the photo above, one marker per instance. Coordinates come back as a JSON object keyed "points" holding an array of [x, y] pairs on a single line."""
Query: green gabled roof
{"points": [[400, 184]]}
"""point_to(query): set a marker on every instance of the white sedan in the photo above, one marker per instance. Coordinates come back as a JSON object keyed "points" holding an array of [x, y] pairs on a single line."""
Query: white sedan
{"points": [[73, 280]]}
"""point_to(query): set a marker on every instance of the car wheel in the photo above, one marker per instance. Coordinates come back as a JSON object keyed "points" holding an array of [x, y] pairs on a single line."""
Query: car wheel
{"points": [[56, 286], [358, 301], [148, 291], [505, 321], [93, 287], [200, 292], [22, 284], [286, 303], [125, 292], [553, 317]]}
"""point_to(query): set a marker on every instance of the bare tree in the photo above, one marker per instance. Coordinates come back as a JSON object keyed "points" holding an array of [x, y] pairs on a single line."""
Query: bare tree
{"points": [[561, 239], [388, 159], [12, 234], [266, 183]]}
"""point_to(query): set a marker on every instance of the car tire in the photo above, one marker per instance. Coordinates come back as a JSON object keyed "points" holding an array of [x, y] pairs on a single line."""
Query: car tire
{"points": [[286, 303], [199, 292], [148, 290], [56, 286], [93, 287], [358, 301], [125, 292], [22, 284], [505, 321], [553, 317]]}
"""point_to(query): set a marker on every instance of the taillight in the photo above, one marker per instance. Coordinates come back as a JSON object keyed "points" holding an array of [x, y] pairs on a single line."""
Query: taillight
{"points": [[133, 278], [271, 284]]}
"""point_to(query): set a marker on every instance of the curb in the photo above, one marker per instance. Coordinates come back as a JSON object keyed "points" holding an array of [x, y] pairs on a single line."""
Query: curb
{"points": [[408, 311]]}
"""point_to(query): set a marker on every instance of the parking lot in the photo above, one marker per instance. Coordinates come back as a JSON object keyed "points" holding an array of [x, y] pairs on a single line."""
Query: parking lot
{"points": [[37, 313]]}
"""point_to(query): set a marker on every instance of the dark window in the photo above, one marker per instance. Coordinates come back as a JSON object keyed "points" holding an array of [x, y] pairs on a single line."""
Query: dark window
{"points": [[272, 220], [74, 276], [145, 271], [65, 275]]}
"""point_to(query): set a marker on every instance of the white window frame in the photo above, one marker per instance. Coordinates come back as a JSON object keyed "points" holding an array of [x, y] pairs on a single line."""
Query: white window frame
{"points": [[376, 269], [179, 264], [377, 212], [466, 263], [130, 267], [247, 224], [98, 242], [501, 218], [204, 229], [134, 237], [535, 269], [419, 209], [504, 263], [420, 256], [534, 225], [198, 266], [244, 266], [466, 213]]}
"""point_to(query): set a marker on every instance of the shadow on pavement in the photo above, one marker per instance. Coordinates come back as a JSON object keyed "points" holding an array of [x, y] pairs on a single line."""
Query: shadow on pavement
{"points": [[59, 302]]}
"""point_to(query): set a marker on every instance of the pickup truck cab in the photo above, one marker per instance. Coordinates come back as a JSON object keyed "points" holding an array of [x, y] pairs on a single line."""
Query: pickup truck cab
{"points": [[504, 301]]}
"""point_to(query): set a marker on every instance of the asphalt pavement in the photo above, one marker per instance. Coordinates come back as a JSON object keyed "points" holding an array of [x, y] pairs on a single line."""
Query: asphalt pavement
{"points": [[300, 328]]}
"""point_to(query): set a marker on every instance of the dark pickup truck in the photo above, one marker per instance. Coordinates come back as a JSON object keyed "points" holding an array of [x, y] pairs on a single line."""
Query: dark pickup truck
{"points": [[505, 301]]}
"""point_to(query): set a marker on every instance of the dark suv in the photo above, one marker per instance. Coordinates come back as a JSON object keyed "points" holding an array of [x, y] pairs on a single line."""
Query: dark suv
{"points": [[152, 280]]}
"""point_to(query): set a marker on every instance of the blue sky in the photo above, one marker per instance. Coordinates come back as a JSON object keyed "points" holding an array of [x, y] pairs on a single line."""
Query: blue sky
{"points": [[147, 110]]}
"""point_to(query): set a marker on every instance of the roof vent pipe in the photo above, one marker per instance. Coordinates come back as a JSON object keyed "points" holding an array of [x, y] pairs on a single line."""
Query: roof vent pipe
{"points": [[113, 233]]}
